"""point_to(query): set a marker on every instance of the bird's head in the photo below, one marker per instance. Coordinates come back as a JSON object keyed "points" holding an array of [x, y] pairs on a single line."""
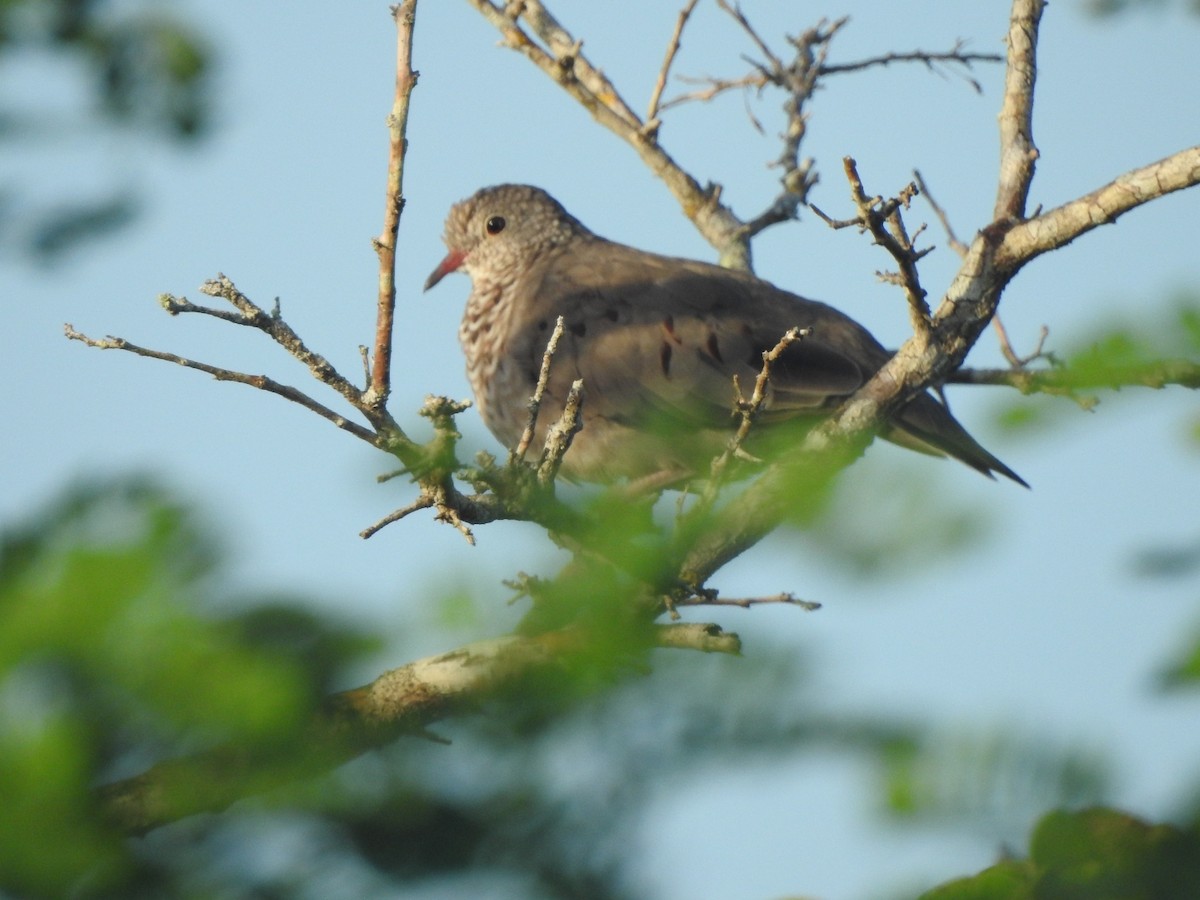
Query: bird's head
{"points": [[500, 230]]}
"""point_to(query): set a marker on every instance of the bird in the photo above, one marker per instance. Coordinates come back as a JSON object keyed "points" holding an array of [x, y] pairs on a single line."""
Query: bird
{"points": [[657, 342]]}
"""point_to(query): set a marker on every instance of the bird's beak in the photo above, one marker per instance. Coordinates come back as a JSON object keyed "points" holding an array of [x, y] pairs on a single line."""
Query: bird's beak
{"points": [[453, 260]]}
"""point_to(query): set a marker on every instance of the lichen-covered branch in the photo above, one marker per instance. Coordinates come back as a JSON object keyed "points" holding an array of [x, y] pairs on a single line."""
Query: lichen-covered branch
{"points": [[1059, 226], [405, 700], [1018, 153]]}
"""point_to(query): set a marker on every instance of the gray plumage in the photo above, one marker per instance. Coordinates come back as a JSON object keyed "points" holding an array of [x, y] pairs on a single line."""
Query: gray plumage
{"points": [[657, 341]]}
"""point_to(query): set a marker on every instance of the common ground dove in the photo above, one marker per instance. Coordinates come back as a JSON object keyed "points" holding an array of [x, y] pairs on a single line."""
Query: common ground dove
{"points": [[657, 342]]}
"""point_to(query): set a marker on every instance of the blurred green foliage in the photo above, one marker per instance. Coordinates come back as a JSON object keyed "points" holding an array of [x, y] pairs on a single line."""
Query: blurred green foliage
{"points": [[120, 646], [998, 781], [145, 73], [1092, 854], [1105, 8], [111, 655]]}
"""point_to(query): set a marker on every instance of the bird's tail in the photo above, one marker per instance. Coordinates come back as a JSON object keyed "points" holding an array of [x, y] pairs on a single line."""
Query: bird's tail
{"points": [[926, 425]]}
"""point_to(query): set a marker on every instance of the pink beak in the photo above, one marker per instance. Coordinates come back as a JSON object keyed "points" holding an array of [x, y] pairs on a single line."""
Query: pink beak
{"points": [[452, 262]]}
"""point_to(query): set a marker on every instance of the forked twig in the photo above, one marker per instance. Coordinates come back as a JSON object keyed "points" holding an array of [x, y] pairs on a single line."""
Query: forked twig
{"points": [[660, 84], [262, 382], [534, 404], [748, 410]]}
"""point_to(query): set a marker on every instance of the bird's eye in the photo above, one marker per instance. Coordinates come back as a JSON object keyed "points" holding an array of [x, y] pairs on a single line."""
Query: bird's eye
{"points": [[495, 225]]}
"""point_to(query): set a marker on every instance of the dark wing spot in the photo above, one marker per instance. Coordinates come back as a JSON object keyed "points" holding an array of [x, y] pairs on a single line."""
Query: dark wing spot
{"points": [[543, 325], [664, 359], [668, 327], [610, 314], [755, 359], [714, 349], [579, 329]]}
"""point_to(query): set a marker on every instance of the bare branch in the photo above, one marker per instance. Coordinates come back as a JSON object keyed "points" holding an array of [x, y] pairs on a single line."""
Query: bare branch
{"points": [[423, 501], [951, 238], [1103, 206], [385, 244], [535, 402], [273, 325], [716, 87], [760, 78], [748, 410], [735, 11], [262, 382], [883, 221], [1064, 381], [1018, 153], [560, 434], [660, 84], [570, 69], [747, 602], [955, 56]]}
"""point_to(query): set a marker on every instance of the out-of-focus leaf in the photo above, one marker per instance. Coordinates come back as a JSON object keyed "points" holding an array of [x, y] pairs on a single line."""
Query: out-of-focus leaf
{"points": [[59, 231], [1093, 854], [996, 780], [1008, 880], [1184, 670], [107, 653], [51, 834], [143, 74], [879, 525], [1104, 854], [1108, 8], [1168, 562]]}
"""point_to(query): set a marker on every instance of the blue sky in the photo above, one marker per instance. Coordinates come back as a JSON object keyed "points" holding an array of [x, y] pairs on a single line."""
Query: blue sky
{"points": [[1044, 629]]}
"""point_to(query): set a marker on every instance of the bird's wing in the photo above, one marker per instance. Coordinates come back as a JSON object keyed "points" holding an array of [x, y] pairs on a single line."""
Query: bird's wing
{"points": [[660, 340]]}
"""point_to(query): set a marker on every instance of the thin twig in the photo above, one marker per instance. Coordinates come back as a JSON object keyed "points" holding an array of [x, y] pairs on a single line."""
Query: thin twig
{"points": [[273, 325], [262, 382], [748, 410], [570, 69], [1063, 381], [652, 111], [534, 404], [424, 501], [951, 238], [738, 16], [955, 55], [385, 245], [747, 602], [561, 433], [716, 87], [885, 224]]}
